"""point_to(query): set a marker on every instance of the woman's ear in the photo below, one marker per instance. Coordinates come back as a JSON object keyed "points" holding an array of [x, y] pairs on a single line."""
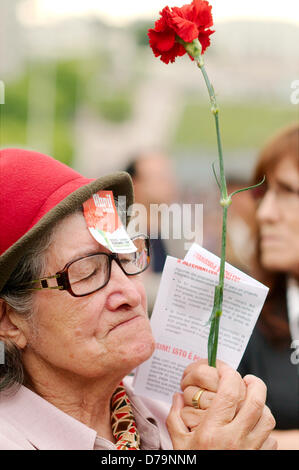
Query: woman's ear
{"points": [[11, 326]]}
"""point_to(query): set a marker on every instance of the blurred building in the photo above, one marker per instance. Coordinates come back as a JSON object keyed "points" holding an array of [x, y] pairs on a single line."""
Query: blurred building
{"points": [[249, 60], [11, 41]]}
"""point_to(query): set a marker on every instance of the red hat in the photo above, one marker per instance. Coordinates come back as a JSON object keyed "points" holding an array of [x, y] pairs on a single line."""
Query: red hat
{"points": [[35, 191]]}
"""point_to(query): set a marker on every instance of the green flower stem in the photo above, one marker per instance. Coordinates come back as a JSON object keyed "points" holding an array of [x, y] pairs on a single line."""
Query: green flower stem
{"points": [[215, 111], [194, 49], [225, 202], [249, 187]]}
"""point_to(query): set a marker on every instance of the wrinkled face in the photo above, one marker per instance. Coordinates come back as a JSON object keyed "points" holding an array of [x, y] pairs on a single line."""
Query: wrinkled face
{"points": [[107, 332], [278, 219]]}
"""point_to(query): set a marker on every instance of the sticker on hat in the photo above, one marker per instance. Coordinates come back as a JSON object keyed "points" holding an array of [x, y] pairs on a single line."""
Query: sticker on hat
{"points": [[104, 223]]}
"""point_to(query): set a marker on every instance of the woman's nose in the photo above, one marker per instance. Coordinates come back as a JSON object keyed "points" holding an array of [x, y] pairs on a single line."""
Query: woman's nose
{"points": [[268, 210], [123, 289]]}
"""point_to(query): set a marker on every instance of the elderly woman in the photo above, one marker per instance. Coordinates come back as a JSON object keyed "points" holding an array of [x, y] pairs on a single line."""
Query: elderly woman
{"points": [[74, 324], [271, 352]]}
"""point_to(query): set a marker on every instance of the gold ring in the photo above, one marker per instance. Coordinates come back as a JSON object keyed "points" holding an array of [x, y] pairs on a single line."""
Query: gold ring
{"points": [[196, 398]]}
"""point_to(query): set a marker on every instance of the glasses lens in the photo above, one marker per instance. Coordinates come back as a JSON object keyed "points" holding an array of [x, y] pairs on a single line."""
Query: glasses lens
{"points": [[134, 263], [88, 274]]}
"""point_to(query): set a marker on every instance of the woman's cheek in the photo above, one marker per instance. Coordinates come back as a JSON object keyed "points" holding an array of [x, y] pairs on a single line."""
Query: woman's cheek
{"points": [[142, 293]]}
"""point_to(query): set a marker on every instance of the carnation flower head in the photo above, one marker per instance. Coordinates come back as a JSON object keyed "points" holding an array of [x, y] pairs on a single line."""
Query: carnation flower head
{"points": [[177, 25]]}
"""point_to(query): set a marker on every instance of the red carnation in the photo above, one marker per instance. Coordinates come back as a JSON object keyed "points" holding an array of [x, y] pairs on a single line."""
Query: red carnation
{"points": [[188, 23]]}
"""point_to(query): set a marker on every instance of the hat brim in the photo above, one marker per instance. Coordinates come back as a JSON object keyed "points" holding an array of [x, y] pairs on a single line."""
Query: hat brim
{"points": [[121, 185]]}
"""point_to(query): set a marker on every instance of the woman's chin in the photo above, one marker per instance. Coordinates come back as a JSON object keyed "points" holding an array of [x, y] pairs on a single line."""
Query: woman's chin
{"points": [[140, 352]]}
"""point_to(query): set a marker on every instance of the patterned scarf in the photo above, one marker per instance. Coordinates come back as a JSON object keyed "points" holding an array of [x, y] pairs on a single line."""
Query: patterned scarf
{"points": [[123, 422]]}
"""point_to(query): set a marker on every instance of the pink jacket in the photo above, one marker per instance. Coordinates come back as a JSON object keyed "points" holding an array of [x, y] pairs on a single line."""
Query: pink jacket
{"points": [[29, 422]]}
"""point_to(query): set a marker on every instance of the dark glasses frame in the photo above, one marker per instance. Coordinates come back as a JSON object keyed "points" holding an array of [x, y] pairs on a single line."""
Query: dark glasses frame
{"points": [[62, 277]]}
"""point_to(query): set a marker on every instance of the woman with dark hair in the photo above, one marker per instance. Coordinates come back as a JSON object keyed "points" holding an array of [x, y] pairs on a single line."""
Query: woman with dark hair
{"points": [[272, 353]]}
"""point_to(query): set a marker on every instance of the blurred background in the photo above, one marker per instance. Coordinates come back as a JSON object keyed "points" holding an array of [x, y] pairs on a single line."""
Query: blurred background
{"points": [[82, 85]]}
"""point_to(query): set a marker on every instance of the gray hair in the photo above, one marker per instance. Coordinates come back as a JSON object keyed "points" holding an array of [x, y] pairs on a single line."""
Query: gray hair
{"points": [[31, 266]]}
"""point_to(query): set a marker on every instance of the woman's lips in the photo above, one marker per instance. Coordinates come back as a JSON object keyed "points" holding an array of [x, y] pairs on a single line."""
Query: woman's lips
{"points": [[272, 243], [126, 322]]}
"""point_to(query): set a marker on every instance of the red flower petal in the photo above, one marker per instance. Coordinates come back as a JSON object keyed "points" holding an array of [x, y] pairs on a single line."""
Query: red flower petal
{"points": [[161, 41], [188, 22], [177, 51], [161, 23], [185, 11], [204, 39], [201, 14], [186, 30]]}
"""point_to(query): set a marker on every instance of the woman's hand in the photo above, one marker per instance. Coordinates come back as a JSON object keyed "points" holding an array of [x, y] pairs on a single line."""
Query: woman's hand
{"points": [[232, 412]]}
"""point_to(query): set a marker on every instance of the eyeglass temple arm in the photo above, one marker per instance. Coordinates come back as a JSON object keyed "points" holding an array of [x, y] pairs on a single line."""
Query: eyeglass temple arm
{"points": [[44, 283]]}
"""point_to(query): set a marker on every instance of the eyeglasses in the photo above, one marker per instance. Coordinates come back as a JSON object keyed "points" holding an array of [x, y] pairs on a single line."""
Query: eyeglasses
{"points": [[91, 273], [286, 196]]}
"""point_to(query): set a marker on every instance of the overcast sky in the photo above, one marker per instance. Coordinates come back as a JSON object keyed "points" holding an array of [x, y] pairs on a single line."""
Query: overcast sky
{"points": [[121, 11]]}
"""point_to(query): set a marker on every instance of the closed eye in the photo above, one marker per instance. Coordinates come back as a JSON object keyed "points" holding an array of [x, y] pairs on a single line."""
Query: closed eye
{"points": [[285, 187], [90, 275], [93, 273]]}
